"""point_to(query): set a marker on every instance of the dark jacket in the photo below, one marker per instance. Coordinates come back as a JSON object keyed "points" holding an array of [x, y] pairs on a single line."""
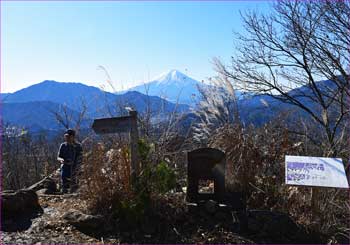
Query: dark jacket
{"points": [[71, 153]]}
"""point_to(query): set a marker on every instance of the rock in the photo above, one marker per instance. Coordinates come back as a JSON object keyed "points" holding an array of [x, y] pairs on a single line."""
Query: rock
{"points": [[221, 216], [19, 203], [18, 208], [273, 222], [44, 192], [253, 225], [49, 225], [47, 183], [236, 200], [84, 222], [275, 225], [211, 206], [192, 207]]}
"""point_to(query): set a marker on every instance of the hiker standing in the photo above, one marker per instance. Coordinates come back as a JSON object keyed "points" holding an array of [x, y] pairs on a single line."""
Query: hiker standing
{"points": [[70, 157]]}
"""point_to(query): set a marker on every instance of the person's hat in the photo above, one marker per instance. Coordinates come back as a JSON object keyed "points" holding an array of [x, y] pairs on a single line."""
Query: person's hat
{"points": [[70, 132]]}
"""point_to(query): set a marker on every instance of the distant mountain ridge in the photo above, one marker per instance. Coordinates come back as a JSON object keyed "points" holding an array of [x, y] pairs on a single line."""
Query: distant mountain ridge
{"points": [[71, 94], [259, 109], [37, 115], [31, 106]]}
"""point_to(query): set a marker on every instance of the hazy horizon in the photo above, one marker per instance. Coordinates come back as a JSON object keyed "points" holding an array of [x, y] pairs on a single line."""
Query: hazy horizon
{"points": [[134, 41], [105, 86]]}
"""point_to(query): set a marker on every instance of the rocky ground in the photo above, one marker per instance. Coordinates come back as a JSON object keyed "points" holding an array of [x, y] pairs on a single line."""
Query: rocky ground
{"points": [[50, 227], [61, 223]]}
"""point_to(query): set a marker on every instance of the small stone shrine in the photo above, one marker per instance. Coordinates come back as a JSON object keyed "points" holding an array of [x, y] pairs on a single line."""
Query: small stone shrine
{"points": [[206, 164]]}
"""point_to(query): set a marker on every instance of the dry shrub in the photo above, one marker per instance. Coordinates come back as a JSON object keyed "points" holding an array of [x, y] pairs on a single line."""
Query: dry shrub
{"points": [[107, 187], [255, 165], [253, 155], [106, 178]]}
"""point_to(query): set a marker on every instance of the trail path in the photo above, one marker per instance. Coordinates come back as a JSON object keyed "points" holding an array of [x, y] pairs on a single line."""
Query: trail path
{"points": [[50, 228], [174, 225]]}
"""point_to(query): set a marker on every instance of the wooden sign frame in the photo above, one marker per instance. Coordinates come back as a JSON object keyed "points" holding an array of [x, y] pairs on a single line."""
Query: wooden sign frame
{"points": [[125, 124]]}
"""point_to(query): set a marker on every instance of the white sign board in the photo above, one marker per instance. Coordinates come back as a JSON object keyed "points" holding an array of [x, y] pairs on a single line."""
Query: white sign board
{"points": [[315, 171]]}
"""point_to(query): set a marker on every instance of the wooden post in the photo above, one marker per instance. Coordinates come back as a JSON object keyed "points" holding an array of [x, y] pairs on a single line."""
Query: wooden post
{"points": [[315, 198], [315, 207], [134, 139]]}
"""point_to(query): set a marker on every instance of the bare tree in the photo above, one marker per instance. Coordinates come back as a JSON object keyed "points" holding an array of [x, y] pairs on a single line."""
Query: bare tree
{"points": [[67, 118], [298, 44], [26, 158]]}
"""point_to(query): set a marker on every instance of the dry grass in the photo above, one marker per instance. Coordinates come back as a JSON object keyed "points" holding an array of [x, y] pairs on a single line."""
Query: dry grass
{"points": [[108, 189], [255, 165], [105, 180]]}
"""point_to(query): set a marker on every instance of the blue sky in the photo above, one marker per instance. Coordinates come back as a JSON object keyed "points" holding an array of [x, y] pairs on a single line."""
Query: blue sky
{"points": [[134, 41]]}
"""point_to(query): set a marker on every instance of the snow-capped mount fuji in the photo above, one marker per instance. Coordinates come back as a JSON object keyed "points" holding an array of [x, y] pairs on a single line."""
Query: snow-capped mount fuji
{"points": [[173, 86]]}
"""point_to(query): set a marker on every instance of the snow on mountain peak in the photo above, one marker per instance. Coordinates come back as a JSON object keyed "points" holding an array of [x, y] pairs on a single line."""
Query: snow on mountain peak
{"points": [[173, 85], [171, 76]]}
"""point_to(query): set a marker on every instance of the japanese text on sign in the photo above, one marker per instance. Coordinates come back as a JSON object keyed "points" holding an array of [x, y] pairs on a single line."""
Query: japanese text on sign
{"points": [[315, 171]]}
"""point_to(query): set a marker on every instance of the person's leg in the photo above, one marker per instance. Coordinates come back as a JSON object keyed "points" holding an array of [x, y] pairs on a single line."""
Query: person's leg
{"points": [[73, 183], [76, 174], [66, 175]]}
